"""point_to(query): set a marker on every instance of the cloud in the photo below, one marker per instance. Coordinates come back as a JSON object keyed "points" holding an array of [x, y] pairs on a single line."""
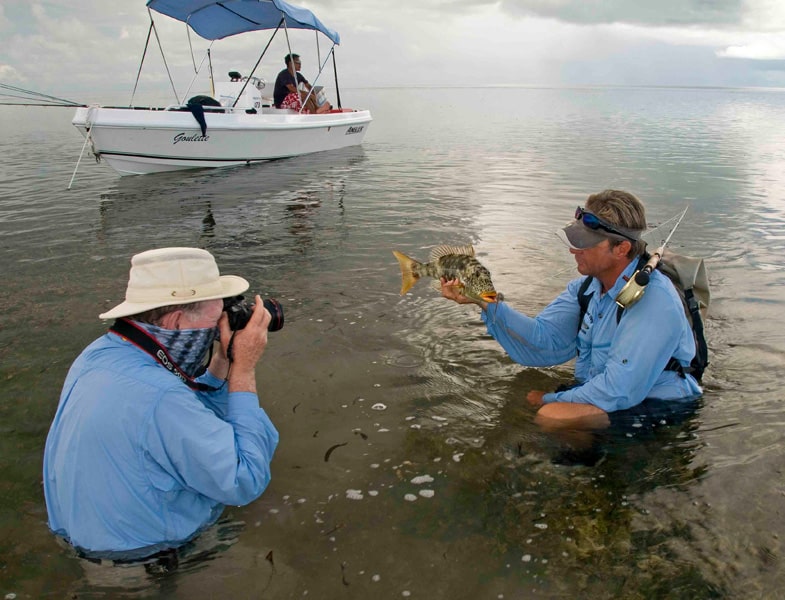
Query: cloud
{"points": [[9, 74], [93, 47], [769, 47], [763, 16], [662, 13]]}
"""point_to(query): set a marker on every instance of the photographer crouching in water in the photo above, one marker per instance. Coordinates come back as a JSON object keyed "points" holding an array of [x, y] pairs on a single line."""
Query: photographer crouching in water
{"points": [[146, 447], [620, 360]]}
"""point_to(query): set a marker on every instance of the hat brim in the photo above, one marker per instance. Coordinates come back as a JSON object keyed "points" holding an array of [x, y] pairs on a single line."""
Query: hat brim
{"points": [[231, 285], [579, 237]]}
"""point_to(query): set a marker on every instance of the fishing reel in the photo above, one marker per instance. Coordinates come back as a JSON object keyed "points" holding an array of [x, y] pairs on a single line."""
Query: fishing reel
{"points": [[636, 286], [634, 289]]}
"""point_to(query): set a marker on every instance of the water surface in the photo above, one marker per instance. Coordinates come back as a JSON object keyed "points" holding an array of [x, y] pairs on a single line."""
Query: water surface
{"points": [[409, 465]]}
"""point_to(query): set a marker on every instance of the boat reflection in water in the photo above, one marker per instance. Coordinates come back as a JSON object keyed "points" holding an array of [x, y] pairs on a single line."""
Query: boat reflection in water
{"points": [[265, 214]]}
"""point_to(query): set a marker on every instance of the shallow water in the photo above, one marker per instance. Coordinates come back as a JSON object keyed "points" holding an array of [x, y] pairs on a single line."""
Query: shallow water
{"points": [[372, 392]]}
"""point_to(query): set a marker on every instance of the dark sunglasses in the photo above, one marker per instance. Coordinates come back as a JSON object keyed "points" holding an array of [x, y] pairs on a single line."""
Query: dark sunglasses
{"points": [[594, 222]]}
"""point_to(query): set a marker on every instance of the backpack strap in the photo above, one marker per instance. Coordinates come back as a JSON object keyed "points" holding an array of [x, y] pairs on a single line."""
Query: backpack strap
{"points": [[584, 299], [701, 358], [697, 325]]}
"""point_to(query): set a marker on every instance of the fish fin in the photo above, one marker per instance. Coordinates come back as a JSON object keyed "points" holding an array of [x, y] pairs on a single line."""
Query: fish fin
{"points": [[446, 249], [408, 276]]}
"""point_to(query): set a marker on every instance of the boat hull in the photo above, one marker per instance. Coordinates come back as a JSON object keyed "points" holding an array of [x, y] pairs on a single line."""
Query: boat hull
{"points": [[143, 141]]}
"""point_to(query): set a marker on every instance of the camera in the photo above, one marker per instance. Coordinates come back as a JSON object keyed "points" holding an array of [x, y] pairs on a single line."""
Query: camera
{"points": [[239, 311]]}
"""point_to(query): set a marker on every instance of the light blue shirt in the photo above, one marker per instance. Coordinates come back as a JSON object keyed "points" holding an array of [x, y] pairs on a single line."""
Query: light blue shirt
{"points": [[136, 461], [618, 365]]}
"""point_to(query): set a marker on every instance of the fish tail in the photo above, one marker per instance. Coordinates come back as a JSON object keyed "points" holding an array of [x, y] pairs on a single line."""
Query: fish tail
{"points": [[408, 275]]}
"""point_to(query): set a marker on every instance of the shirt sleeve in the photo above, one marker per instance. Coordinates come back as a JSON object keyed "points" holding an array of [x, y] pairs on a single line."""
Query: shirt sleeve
{"points": [[226, 459], [545, 340], [647, 336]]}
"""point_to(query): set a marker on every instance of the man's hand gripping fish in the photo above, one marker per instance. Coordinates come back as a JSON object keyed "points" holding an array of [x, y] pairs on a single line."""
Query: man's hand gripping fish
{"points": [[450, 262]]}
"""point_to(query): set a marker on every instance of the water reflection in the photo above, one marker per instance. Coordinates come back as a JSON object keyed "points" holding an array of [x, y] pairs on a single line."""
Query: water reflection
{"points": [[513, 514], [208, 224], [538, 502], [237, 198]]}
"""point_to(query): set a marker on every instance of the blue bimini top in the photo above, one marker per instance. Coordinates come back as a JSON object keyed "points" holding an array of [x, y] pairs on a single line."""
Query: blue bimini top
{"points": [[217, 19]]}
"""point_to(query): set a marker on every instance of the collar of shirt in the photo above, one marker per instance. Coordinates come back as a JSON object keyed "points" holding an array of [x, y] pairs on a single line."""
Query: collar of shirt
{"points": [[625, 276]]}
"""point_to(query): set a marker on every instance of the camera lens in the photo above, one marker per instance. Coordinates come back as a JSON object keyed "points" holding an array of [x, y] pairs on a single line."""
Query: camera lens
{"points": [[239, 311], [276, 313]]}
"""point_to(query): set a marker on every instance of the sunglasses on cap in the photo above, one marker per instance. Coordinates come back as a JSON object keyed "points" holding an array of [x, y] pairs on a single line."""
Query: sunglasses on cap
{"points": [[594, 222]]}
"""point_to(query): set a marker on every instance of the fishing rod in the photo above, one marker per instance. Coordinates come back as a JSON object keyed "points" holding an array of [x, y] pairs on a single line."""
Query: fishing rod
{"points": [[32, 98], [636, 286]]}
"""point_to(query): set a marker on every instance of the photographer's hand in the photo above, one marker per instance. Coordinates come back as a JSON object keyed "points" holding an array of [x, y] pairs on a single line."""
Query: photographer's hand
{"points": [[247, 348]]}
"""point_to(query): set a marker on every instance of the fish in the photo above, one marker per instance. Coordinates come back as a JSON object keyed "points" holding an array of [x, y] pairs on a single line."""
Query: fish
{"points": [[450, 262]]}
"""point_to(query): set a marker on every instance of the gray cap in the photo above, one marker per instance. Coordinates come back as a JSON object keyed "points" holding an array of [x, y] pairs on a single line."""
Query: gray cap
{"points": [[576, 235]]}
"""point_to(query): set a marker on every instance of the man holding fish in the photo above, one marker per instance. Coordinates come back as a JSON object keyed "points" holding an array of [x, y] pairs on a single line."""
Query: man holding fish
{"points": [[622, 360]]}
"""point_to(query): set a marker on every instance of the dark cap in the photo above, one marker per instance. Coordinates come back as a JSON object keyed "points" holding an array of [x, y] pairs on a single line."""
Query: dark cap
{"points": [[577, 235]]}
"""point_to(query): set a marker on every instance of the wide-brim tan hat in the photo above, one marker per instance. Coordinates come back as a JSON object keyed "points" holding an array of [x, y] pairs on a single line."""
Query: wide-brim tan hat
{"points": [[167, 276]]}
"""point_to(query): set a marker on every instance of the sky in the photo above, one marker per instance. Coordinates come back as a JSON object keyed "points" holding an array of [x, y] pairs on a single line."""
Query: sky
{"points": [[89, 50]]}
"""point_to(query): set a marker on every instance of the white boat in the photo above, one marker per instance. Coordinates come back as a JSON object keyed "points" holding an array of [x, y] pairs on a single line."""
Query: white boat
{"points": [[242, 127]]}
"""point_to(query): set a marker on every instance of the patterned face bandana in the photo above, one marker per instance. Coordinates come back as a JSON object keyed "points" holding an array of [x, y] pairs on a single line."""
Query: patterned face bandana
{"points": [[187, 347]]}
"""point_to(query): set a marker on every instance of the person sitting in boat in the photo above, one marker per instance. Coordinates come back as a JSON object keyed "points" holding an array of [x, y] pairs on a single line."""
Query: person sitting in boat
{"points": [[620, 361], [286, 93]]}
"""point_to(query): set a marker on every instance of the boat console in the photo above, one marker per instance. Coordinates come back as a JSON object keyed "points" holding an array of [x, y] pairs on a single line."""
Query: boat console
{"points": [[251, 98]]}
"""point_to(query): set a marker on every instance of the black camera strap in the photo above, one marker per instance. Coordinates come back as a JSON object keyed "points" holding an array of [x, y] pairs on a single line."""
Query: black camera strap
{"points": [[144, 341]]}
